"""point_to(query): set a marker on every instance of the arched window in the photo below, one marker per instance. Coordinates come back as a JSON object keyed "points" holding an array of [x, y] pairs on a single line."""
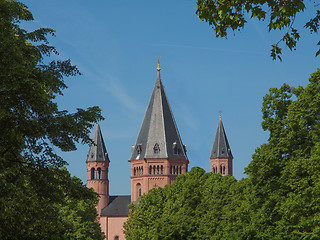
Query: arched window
{"points": [[174, 170], [224, 170], [154, 169], [116, 238], [221, 169], [138, 191], [158, 169], [99, 173], [150, 170], [161, 169], [92, 173], [214, 169], [180, 170], [170, 169], [177, 170], [141, 170]]}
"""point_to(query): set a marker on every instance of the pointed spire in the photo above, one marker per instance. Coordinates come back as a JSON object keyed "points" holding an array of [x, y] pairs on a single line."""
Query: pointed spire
{"points": [[98, 151], [159, 136], [221, 148]]}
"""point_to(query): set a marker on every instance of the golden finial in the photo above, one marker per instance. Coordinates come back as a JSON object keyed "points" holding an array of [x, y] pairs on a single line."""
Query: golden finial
{"points": [[158, 68], [220, 114]]}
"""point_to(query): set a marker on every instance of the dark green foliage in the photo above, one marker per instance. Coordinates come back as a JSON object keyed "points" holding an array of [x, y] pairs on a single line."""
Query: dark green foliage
{"points": [[46, 204], [36, 199], [280, 199], [223, 15]]}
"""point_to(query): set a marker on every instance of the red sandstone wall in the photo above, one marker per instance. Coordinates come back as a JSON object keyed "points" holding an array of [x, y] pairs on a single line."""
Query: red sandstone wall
{"points": [[115, 227]]}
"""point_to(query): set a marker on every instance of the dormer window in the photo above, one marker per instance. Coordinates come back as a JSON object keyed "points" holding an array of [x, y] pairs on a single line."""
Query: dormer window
{"points": [[175, 148], [156, 148], [139, 148]]}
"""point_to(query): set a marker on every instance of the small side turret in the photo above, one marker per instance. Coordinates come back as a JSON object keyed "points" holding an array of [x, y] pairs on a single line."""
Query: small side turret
{"points": [[221, 157], [97, 169]]}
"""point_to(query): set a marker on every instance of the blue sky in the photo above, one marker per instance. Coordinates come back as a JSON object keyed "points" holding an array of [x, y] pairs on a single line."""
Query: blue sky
{"points": [[115, 44]]}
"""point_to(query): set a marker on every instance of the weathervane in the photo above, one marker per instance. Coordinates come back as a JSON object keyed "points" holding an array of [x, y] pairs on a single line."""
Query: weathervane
{"points": [[220, 112]]}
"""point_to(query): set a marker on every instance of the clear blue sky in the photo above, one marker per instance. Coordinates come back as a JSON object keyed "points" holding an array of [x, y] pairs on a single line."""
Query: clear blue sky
{"points": [[115, 44]]}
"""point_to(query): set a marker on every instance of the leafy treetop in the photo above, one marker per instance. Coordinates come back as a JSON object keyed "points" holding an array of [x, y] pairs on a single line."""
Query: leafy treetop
{"points": [[223, 15]]}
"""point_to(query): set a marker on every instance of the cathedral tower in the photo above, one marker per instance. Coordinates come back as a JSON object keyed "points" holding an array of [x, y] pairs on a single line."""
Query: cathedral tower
{"points": [[158, 155], [221, 157], [97, 169]]}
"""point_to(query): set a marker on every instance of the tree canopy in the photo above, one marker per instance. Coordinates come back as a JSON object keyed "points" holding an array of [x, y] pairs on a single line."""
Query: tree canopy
{"points": [[280, 198], [224, 15], [37, 199]]}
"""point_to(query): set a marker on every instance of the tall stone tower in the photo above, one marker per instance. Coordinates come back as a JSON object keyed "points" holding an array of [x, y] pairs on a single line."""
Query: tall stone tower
{"points": [[97, 169], [158, 155], [221, 157]]}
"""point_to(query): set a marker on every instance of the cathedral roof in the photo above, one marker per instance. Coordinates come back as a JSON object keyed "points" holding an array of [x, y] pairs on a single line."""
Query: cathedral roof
{"points": [[159, 136], [221, 148], [118, 206], [98, 151]]}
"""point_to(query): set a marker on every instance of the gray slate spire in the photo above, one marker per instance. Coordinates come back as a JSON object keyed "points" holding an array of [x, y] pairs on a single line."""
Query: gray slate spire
{"points": [[98, 151], [221, 148], [159, 136]]}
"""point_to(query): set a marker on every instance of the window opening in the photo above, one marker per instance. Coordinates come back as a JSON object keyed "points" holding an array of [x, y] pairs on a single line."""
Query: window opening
{"points": [[99, 173], [158, 168], [161, 169], [92, 173]]}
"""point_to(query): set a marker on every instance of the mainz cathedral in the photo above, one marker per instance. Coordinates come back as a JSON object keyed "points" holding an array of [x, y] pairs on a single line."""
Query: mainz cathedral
{"points": [[158, 157]]}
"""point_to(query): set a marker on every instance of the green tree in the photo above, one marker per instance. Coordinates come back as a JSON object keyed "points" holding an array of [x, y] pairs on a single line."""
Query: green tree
{"points": [[224, 15], [285, 171], [32, 188], [190, 208], [46, 204]]}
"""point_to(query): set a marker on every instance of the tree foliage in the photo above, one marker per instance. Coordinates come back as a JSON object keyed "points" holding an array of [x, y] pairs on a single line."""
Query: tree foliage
{"points": [[280, 198], [35, 196], [223, 15], [46, 204]]}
